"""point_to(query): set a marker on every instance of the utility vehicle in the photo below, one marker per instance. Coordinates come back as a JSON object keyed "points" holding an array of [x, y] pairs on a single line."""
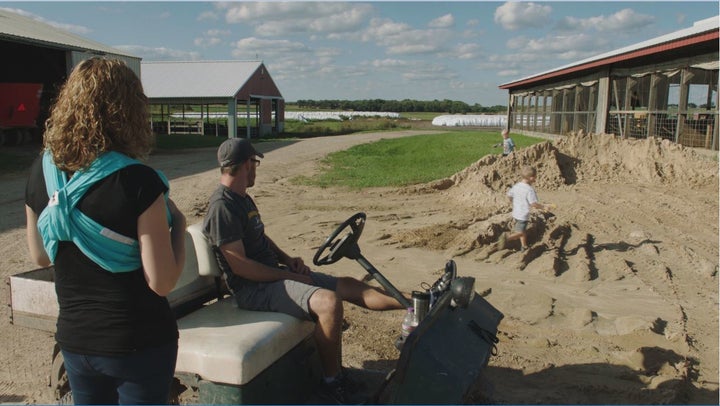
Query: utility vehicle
{"points": [[235, 356]]}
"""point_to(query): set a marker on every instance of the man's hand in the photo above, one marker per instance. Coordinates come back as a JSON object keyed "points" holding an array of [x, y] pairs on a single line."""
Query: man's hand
{"points": [[297, 265]]}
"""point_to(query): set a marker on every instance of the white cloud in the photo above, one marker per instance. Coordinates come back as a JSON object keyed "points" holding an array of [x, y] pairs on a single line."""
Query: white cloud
{"points": [[211, 38], [283, 18], [623, 21], [463, 51], [534, 55], [509, 72], [401, 38], [208, 16], [76, 29], [427, 72], [406, 49], [389, 63], [247, 48], [207, 42], [217, 33], [159, 53], [445, 21], [555, 45], [515, 15]]}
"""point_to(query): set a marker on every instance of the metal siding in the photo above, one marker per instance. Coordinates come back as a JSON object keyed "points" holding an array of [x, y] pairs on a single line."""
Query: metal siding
{"points": [[18, 28], [197, 79]]}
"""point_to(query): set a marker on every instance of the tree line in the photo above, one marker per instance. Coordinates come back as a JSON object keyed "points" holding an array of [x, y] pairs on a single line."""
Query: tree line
{"points": [[402, 106]]}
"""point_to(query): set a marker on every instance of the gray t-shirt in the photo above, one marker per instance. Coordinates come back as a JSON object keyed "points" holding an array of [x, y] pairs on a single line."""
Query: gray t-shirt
{"points": [[230, 218]]}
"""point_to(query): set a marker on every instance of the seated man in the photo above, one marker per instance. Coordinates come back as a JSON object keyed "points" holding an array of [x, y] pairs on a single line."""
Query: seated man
{"points": [[263, 277]]}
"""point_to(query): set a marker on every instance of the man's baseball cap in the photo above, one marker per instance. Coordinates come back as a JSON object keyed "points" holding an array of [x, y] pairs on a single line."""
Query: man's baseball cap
{"points": [[235, 151]]}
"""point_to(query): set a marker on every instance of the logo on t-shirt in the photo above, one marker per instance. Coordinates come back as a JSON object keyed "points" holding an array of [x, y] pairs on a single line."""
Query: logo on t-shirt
{"points": [[254, 217]]}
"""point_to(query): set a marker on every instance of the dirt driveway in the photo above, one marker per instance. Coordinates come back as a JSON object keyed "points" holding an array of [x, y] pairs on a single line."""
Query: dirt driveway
{"points": [[615, 302]]}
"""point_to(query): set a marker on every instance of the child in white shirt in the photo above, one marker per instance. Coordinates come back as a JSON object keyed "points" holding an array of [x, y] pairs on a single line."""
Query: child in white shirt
{"points": [[523, 197]]}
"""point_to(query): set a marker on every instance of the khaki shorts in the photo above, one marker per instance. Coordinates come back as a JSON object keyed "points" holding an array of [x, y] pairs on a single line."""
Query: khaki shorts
{"points": [[283, 296]]}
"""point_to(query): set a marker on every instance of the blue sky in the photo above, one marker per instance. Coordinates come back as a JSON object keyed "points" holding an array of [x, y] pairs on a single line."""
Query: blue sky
{"points": [[420, 50]]}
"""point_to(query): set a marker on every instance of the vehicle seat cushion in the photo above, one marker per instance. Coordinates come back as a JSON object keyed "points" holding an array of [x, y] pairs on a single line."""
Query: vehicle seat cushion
{"points": [[206, 261], [225, 344]]}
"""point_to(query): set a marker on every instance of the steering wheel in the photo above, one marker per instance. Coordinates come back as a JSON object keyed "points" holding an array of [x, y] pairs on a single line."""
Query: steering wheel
{"points": [[345, 246]]}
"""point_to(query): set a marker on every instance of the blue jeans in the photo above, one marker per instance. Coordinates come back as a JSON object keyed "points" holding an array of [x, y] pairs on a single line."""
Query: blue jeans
{"points": [[142, 377]]}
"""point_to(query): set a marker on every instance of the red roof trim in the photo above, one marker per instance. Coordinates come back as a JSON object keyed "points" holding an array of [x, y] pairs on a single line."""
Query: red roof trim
{"points": [[668, 46]]}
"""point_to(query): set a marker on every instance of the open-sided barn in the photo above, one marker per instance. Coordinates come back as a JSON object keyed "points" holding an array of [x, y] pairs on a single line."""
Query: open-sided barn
{"points": [[666, 87], [213, 97]]}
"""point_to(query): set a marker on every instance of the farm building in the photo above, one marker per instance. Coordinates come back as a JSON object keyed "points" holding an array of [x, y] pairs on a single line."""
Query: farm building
{"points": [[666, 87], [37, 58], [222, 98]]}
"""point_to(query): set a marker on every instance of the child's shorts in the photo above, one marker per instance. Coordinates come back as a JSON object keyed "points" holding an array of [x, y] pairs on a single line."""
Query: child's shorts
{"points": [[520, 225]]}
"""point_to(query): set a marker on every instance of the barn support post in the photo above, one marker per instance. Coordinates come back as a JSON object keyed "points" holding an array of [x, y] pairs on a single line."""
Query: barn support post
{"points": [[630, 84], [545, 118], [576, 108], [509, 112], [592, 107], [655, 80], [248, 134], [169, 120], [685, 79], [617, 107], [717, 117], [232, 118], [536, 97]]}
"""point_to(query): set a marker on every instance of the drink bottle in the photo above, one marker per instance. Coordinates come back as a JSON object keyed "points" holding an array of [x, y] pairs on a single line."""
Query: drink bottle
{"points": [[409, 323]]}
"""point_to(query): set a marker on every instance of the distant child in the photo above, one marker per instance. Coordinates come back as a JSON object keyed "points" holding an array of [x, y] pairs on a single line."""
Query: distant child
{"points": [[523, 197], [508, 144]]}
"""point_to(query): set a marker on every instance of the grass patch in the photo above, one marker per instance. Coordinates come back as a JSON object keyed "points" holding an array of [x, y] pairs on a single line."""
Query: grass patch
{"points": [[321, 128], [408, 160]]}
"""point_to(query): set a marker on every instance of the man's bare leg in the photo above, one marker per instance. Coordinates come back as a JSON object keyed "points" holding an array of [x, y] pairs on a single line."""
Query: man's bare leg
{"points": [[364, 295], [327, 306]]}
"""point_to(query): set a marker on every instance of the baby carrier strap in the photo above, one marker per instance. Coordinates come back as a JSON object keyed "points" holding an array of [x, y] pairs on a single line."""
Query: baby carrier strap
{"points": [[63, 221]]}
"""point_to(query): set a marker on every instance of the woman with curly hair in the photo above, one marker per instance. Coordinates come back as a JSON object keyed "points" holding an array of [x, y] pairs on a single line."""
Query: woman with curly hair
{"points": [[116, 241]]}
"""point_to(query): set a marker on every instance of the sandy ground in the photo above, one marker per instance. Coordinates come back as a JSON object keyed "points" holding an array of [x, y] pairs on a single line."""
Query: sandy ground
{"points": [[616, 302]]}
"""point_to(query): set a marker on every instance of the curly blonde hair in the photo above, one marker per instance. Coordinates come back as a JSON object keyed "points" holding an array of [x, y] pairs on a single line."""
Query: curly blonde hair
{"points": [[101, 107]]}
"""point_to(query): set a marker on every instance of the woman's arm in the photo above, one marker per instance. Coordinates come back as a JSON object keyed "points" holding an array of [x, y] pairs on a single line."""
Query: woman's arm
{"points": [[34, 240], [162, 251]]}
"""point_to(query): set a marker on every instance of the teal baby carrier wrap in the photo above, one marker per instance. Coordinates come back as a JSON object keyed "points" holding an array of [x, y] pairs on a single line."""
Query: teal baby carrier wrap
{"points": [[61, 220]]}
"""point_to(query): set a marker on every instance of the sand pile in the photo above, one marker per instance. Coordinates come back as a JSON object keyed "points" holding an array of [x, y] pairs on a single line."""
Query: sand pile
{"points": [[583, 158], [564, 166], [611, 272], [606, 158]]}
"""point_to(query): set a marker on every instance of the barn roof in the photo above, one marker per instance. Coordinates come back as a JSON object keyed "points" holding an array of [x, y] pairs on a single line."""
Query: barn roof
{"points": [[196, 79], [701, 31], [18, 28]]}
